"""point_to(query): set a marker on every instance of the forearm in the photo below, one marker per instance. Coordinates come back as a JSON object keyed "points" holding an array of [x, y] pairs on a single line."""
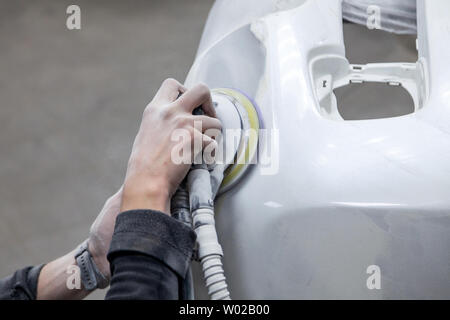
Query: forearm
{"points": [[60, 280]]}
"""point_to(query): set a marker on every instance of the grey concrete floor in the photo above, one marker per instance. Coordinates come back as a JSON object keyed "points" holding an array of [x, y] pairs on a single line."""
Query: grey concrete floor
{"points": [[71, 101]]}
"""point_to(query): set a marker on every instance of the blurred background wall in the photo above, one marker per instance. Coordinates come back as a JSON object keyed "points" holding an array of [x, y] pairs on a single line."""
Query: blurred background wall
{"points": [[70, 106], [71, 102]]}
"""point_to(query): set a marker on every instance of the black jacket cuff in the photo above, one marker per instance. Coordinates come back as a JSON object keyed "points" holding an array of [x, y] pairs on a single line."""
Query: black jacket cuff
{"points": [[155, 234], [21, 285]]}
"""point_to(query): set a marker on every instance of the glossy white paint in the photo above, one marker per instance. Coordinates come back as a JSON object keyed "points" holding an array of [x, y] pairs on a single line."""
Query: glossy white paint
{"points": [[348, 194]]}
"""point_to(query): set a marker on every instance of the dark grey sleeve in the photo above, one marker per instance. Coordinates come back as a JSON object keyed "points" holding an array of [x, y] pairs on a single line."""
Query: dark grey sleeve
{"points": [[21, 285], [150, 255]]}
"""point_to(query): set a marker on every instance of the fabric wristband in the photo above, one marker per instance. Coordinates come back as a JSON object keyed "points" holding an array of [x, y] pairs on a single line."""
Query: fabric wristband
{"points": [[91, 277]]}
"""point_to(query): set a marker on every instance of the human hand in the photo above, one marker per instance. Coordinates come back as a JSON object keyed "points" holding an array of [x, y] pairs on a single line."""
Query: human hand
{"points": [[101, 232], [52, 283], [152, 175]]}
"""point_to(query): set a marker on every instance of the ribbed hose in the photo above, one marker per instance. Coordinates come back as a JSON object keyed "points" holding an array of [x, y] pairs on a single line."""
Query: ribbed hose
{"points": [[209, 250], [214, 278]]}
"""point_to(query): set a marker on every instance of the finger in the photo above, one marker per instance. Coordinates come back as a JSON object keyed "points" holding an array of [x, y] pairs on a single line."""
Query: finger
{"points": [[207, 140], [169, 91], [203, 123], [210, 148], [213, 133], [204, 150], [200, 140], [198, 96]]}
